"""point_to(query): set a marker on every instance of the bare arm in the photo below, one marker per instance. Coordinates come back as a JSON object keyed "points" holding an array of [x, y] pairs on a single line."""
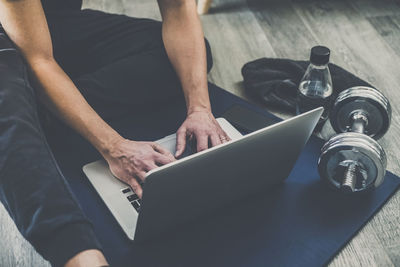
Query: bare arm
{"points": [[184, 42], [26, 25]]}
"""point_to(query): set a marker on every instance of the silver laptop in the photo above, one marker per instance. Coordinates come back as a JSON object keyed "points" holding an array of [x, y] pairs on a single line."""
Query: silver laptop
{"points": [[203, 182]]}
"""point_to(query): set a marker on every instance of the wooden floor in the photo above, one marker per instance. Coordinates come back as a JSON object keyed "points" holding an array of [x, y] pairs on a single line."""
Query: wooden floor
{"points": [[364, 37]]}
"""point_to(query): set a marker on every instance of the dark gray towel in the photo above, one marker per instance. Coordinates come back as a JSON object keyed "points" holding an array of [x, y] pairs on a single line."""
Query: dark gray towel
{"points": [[274, 81]]}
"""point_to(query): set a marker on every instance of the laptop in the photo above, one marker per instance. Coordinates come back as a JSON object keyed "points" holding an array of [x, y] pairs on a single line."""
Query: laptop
{"points": [[204, 182]]}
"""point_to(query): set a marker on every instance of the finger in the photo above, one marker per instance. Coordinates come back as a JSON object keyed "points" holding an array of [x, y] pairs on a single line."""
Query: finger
{"points": [[134, 184], [225, 138], [162, 150], [140, 176], [215, 140], [202, 142], [180, 142], [162, 159], [150, 166]]}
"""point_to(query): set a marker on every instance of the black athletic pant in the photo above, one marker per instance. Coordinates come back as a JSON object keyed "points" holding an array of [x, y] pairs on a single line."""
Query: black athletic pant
{"points": [[119, 64]]}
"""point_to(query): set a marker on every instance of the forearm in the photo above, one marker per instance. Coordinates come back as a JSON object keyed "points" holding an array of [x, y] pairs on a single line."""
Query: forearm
{"points": [[184, 42], [60, 94]]}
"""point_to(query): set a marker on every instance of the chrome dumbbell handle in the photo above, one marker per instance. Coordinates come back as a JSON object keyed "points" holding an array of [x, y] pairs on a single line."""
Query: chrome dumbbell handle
{"points": [[347, 149], [359, 122], [361, 103], [350, 178]]}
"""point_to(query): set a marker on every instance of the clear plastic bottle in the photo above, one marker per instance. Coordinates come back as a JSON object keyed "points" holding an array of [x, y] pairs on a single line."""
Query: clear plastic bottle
{"points": [[315, 88]]}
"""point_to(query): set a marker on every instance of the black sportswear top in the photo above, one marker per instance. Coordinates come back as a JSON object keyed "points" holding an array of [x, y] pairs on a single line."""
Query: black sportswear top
{"points": [[56, 5]]}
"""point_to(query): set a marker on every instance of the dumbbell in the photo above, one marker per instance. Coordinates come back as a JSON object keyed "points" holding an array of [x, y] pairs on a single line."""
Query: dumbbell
{"points": [[352, 160]]}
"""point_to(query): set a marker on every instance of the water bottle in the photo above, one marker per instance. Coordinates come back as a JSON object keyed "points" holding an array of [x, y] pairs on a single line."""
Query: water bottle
{"points": [[315, 89]]}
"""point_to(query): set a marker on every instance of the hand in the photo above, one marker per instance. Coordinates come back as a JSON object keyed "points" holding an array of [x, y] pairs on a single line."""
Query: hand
{"points": [[129, 161], [87, 258], [202, 126]]}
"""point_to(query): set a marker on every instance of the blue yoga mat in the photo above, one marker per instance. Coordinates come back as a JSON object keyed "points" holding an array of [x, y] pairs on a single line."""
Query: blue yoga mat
{"points": [[301, 222]]}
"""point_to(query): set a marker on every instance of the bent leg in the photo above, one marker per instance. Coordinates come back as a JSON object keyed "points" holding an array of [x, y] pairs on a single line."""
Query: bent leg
{"points": [[32, 188], [132, 84], [121, 64]]}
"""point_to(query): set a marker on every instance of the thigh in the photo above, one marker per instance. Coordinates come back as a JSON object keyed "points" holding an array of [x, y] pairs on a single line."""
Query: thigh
{"points": [[25, 158], [119, 63], [130, 85], [87, 40], [32, 188]]}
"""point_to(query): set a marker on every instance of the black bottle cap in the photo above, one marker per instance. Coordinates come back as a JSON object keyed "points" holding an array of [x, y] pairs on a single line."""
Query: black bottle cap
{"points": [[320, 55]]}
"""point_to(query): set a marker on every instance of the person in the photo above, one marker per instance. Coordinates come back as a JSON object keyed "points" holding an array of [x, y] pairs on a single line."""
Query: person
{"points": [[88, 67]]}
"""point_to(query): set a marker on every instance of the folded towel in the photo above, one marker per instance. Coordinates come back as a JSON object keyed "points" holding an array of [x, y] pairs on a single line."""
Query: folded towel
{"points": [[275, 81]]}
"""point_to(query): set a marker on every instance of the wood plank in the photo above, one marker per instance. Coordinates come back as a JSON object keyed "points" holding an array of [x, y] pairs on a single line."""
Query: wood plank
{"points": [[359, 48], [285, 30], [396, 19], [235, 39], [138, 8], [280, 28], [388, 29], [115, 6], [364, 250], [386, 225], [15, 250], [371, 8]]}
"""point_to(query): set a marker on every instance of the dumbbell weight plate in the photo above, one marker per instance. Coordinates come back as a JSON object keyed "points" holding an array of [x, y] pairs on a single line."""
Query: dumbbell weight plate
{"points": [[357, 148], [372, 102]]}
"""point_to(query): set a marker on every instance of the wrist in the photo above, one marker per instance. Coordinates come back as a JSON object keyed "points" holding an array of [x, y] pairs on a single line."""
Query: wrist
{"points": [[197, 99], [109, 145], [198, 108]]}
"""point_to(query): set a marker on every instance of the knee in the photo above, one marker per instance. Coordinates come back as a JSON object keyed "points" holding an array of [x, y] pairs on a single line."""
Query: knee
{"points": [[209, 55]]}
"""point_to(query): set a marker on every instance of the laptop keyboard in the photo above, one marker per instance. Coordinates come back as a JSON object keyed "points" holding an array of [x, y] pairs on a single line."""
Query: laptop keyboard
{"points": [[134, 199]]}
